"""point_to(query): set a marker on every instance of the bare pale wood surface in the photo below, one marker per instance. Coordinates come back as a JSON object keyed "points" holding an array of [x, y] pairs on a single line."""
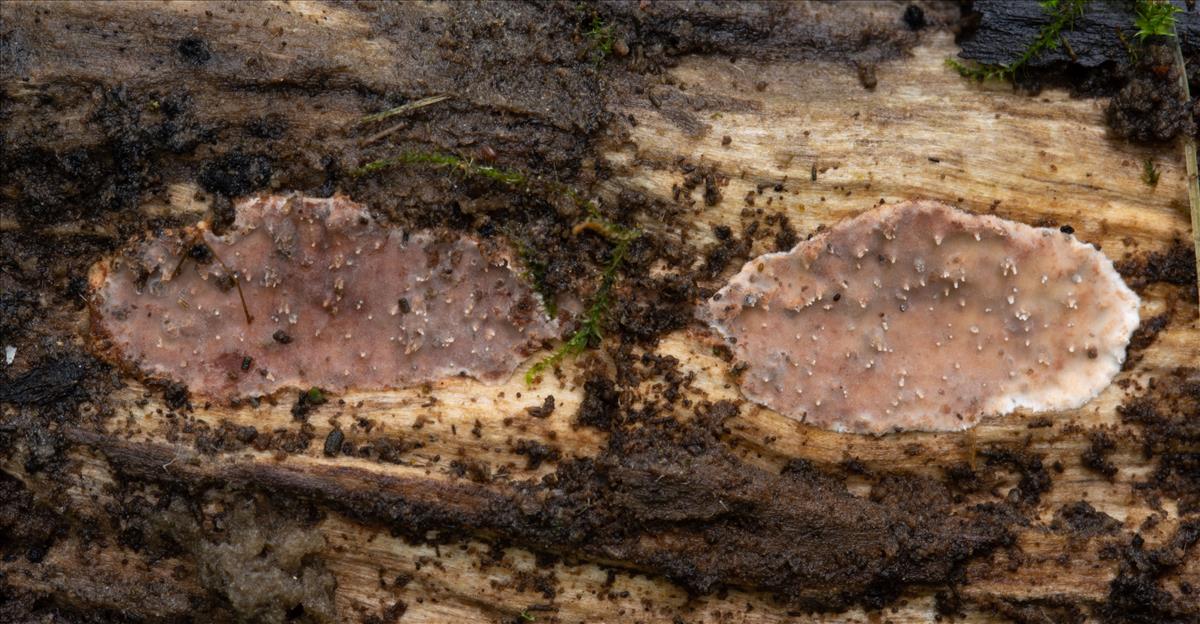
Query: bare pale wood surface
{"points": [[922, 132]]}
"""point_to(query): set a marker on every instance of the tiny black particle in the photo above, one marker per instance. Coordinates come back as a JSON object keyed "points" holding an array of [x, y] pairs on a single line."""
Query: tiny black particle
{"points": [[914, 17]]}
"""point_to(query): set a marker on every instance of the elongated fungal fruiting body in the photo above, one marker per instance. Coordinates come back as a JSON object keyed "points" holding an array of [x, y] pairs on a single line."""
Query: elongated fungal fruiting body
{"points": [[331, 299], [919, 316]]}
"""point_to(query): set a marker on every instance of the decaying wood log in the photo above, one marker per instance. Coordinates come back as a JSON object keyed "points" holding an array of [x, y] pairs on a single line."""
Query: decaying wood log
{"points": [[632, 482]]}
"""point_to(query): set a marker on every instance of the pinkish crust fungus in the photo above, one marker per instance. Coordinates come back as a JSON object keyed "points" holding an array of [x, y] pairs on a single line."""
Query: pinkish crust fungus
{"points": [[336, 302], [918, 316]]}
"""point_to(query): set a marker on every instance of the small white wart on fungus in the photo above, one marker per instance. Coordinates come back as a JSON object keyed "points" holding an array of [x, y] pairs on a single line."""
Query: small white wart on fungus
{"points": [[333, 300], [919, 316]]}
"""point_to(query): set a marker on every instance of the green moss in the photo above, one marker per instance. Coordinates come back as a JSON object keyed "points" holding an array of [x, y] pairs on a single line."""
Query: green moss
{"points": [[1154, 18], [1150, 173], [314, 396], [505, 176], [590, 330], [602, 39], [535, 273]]}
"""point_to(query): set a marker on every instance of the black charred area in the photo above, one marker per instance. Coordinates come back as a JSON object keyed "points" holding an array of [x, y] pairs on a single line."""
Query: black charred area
{"points": [[1101, 56]]}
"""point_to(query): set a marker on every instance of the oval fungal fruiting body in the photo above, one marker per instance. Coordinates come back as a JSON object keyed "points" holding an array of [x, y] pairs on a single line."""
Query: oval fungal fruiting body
{"points": [[919, 316], [336, 301]]}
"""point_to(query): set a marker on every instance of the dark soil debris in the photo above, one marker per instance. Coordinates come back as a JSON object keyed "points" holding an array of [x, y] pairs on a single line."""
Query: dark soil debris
{"points": [[1096, 456], [1082, 520]]}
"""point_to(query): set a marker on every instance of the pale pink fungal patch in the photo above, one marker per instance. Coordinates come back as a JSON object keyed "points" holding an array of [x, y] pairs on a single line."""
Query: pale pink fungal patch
{"points": [[337, 302], [918, 316]]}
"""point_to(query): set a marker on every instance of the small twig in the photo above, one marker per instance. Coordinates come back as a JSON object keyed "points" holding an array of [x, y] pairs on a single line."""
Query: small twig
{"points": [[237, 283], [405, 108], [1067, 46], [1189, 156], [379, 135]]}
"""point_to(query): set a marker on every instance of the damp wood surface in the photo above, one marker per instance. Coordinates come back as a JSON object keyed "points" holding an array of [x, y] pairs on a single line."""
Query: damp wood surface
{"points": [[833, 147]]}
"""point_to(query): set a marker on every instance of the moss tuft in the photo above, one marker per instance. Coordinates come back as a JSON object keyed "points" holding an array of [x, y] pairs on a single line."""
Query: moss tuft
{"points": [[590, 330]]}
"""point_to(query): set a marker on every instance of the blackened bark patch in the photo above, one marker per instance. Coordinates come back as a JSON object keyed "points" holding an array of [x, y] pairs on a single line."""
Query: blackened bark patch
{"points": [[269, 126], [1178, 476], [1095, 60], [174, 394], [52, 381], [664, 498], [194, 50], [1166, 411], [235, 174], [133, 133], [17, 309], [768, 30], [1150, 107], [1143, 337], [1034, 480], [655, 307], [27, 528]]}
